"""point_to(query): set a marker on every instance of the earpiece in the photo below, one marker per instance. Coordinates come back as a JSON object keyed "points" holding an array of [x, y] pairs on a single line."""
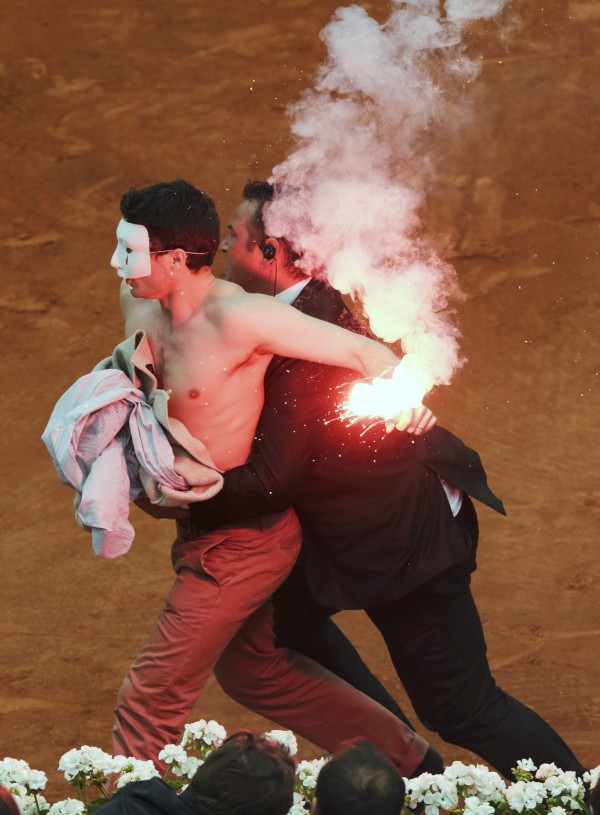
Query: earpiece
{"points": [[268, 250]]}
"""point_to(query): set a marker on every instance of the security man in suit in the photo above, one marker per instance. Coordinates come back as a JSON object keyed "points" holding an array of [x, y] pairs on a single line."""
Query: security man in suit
{"points": [[388, 526]]}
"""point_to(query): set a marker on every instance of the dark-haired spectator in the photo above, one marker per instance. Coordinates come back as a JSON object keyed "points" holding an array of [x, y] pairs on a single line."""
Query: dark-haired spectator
{"points": [[8, 805], [246, 775], [359, 781]]}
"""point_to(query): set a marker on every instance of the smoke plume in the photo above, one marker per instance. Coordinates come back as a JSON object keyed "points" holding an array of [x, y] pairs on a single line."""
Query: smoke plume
{"points": [[354, 184]]}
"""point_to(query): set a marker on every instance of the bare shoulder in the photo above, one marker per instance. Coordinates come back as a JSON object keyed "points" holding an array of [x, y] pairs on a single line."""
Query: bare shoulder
{"points": [[230, 303]]}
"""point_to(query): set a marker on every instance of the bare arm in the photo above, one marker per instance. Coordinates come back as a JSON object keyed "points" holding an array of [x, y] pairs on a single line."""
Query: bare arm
{"points": [[276, 328]]}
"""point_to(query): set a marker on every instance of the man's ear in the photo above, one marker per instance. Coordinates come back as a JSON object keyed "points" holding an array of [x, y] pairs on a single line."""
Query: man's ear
{"points": [[178, 257]]}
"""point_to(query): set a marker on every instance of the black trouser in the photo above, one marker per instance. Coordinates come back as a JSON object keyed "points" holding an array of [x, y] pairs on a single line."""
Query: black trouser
{"points": [[436, 642]]}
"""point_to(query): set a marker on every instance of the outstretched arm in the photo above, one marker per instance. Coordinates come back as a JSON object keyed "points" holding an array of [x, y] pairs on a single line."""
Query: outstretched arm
{"points": [[276, 328]]}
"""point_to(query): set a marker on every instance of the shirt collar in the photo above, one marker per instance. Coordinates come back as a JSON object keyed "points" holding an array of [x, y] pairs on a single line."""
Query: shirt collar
{"points": [[289, 295]]}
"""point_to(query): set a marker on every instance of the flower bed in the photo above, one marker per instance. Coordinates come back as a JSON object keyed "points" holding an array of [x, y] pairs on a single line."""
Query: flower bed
{"points": [[463, 789]]}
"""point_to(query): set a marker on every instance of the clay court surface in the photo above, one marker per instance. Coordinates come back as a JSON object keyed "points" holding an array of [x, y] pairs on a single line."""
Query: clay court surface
{"points": [[99, 97]]}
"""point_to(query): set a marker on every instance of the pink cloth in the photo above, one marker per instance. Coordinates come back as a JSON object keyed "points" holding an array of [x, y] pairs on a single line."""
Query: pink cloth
{"points": [[106, 441]]}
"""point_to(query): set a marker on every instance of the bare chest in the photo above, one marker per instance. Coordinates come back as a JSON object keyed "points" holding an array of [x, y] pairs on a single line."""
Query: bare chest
{"points": [[192, 364], [214, 386]]}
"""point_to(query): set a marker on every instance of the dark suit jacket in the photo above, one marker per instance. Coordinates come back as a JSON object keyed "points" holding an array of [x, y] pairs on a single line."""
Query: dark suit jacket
{"points": [[376, 521], [151, 797]]}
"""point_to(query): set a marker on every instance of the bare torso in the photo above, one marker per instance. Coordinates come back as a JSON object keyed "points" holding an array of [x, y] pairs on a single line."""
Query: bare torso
{"points": [[212, 342], [214, 376]]}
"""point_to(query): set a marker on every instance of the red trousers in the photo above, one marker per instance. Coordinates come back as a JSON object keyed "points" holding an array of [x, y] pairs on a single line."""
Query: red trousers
{"points": [[217, 616], [301, 695]]}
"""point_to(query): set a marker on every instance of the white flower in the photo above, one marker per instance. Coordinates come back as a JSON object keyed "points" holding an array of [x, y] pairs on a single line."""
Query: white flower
{"points": [[300, 805], [307, 772], [525, 795], [306, 775], [209, 733], [514, 796], [592, 777], [448, 794], [18, 790], [69, 806], [189, 769], [27, 804], [433, 802], [173, 754], [476, 780], [564, 784], [215, 733], [546, 770], [193, 732], [535, 793], [14, 771], [463, 775], [436, 792], [120, 762], [417, 787], [36, 780], [137, 770], [527, 765], [473, 806], [69, 763], [284, 737], [87, 761], [557, 811], [25, 801], [489, 786]]}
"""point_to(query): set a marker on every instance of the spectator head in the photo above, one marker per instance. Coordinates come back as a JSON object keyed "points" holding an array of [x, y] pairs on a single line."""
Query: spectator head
{"points": [[246, 775], [359, 781], [8, 805]]}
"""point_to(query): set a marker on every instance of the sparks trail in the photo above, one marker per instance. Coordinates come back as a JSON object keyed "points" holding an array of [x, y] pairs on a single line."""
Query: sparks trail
{"points": [[350, 419]]}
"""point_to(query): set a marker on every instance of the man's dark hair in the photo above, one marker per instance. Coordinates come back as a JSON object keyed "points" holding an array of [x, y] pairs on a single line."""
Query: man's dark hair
{"points": [[246, 775], [359, 781], [263, 192], [177, 216]]}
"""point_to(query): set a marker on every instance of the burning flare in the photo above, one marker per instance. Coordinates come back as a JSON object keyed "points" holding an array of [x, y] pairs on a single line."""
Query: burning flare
{"points": [[385, 397]]}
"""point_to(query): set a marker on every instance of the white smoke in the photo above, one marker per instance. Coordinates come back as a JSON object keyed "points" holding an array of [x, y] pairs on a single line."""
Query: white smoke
{"points": [[355, 182]]}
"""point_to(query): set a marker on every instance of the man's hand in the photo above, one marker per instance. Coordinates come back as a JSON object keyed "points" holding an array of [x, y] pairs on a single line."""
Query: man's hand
{"points": [[412, 420]]}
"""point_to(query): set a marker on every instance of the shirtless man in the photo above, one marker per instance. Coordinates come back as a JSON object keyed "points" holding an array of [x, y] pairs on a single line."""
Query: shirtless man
{"points": [[211, 343]]}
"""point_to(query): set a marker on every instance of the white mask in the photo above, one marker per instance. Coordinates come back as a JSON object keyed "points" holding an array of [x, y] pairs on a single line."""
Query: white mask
{"points": [[131, 258]]}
